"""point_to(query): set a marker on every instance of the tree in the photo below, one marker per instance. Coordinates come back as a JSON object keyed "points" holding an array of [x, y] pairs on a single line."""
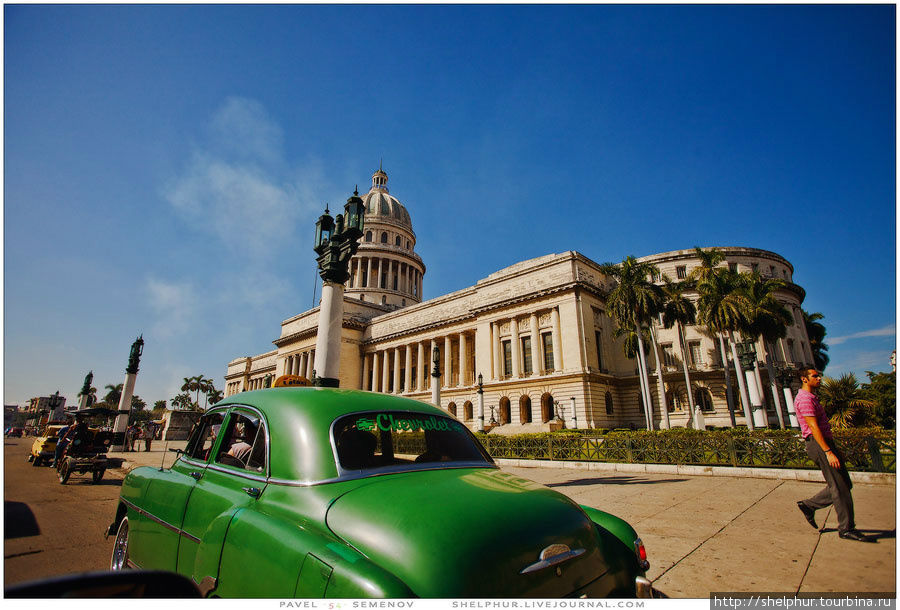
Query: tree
{"points": [[815, 330], [114, 395], [159, 405], [633, 303], [767, 319], [215, 396], [677, 311], [182, 401], [721, 309], [844, 402], [881, 390], [206, 386]]}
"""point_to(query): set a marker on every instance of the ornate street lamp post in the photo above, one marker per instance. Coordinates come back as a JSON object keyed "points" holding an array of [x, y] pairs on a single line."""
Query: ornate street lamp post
{"points": [[747, 353], [131, 371], [336, 242], [480, 403], [574, 415], [436, 377], [493, 421], [785, 376]]}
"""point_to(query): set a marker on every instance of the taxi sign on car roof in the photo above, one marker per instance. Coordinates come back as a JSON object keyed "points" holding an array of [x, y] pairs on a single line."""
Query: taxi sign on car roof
{"points": [[291, 380]]}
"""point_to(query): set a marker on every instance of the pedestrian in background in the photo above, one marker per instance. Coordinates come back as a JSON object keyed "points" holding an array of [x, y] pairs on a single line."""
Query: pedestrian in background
{"points": [[820, 446]]}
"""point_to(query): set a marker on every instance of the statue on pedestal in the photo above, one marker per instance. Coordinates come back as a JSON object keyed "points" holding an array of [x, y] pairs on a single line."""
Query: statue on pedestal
{"points": [[134, 358]]}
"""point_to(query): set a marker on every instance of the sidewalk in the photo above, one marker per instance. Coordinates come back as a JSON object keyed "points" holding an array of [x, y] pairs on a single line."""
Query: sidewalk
{"points": [[715, 533]]}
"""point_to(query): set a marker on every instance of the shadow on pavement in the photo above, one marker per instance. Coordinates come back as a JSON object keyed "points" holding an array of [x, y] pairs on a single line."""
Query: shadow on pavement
{"points": [[18, 521], [614, 481], [873, 535]]}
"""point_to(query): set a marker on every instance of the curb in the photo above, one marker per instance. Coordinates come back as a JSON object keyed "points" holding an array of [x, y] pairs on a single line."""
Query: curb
{"points": [[787, 474]]}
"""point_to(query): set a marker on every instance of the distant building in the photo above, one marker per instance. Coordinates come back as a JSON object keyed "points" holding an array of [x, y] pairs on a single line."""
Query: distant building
{"points": [[48, 408], [537, 332]]}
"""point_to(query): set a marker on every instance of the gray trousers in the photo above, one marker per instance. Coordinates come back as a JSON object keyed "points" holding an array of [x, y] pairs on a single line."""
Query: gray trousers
{"points": [[838, 483]]}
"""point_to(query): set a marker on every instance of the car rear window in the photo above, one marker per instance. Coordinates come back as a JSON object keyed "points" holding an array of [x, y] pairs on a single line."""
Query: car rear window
{"points": [[404, 440]]}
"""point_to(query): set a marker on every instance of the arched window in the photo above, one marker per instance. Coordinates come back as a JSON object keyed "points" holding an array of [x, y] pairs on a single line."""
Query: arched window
{"points": [[384, 238], [397, 241], [467, 410], [609, 404], [452, 409], [675, 400], [504, 411], [546, 407], [525, 409], [704, 399], [407, 244], [368, 236]]}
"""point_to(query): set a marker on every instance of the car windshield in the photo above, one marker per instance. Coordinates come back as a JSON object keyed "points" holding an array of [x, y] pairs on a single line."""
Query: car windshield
{"points": [[406, 441]]}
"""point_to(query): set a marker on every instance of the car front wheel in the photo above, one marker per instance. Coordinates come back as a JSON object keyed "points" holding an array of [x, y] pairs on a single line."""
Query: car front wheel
{"points": [[119, 559]]}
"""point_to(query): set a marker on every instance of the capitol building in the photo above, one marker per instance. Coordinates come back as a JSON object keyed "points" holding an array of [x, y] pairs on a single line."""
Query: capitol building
{"points": [[536, 332]]}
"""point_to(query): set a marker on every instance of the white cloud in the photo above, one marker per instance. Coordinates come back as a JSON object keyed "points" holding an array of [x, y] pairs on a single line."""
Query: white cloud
{"points": [[174, 305], [885, 331], [237, 186]]}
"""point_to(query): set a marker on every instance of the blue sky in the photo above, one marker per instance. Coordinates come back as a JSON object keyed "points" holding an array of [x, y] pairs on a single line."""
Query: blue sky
{"points": [[164, 165]]}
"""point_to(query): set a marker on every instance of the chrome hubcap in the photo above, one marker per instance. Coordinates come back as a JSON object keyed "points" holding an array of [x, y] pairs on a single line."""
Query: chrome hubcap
{"points": [[120, 550]]}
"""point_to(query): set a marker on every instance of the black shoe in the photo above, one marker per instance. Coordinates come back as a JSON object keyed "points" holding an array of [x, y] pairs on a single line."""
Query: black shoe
{"points": [[809, 513], [855, 534]]}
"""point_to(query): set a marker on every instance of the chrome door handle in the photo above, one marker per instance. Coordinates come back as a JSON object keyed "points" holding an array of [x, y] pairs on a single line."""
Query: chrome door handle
{"points": [[253, 492], [197, 475]]}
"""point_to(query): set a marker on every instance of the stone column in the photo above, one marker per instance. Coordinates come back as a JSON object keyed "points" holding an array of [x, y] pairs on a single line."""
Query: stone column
{"points": [[396, 370], [463, 360], [376, 371], [448, 361], [435, 379], [407, 377], [328, 338], [557, 348], [537, 361], [385, 372], [496, 368], [309, 364], [514, 344], [368, 282], [421, 375], [131, 371], [366, 379]]}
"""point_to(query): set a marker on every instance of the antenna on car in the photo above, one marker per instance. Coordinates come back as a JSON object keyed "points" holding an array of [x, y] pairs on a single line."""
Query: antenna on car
{"points": [[163, 461]]}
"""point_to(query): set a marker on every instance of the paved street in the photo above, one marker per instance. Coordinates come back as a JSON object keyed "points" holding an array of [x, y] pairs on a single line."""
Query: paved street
{"points": [[49, 528], [703, 534]]}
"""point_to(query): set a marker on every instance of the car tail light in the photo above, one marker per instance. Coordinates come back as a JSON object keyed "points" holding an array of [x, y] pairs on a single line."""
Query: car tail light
{"points": [[641, 553]]}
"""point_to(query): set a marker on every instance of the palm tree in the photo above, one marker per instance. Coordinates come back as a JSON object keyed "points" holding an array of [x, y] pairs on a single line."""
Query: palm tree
{"points": [[114, 395], [189, 385], [721, 309], [215, 396], [206, 386], [633, 303], [678, 310], [816, 333], [767, 319], [182, 401], [710, 259], [844, 403]]}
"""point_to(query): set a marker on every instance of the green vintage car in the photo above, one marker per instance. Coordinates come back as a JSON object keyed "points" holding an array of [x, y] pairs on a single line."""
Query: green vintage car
{"points": [[314, 492]]}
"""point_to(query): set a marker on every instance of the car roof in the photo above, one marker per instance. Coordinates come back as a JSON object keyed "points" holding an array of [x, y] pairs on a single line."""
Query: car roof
{"points": [[299, 424]]}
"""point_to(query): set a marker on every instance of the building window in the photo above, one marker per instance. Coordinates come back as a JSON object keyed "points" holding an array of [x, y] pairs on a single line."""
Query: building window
{"points": [[507, 358], [452, 409], [526, 355], [504, 411], [599, 342], [397, 241], [407, 244], [547, 339], [732, 267], [467, 410], [546, 407], [704, 399], [696, 354], [755, 267], [609, 404], [772, 270], [368, 236], [525, 410], [384, 238], [668, 354], [681, 272], [395, 281], [790, 343]]}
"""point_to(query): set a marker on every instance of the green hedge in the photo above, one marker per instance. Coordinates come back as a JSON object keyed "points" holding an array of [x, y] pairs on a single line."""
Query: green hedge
{"points": [[866, 449]]}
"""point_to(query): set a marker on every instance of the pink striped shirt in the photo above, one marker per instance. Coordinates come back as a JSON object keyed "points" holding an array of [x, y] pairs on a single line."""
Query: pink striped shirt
{"points": [[807, 405]]}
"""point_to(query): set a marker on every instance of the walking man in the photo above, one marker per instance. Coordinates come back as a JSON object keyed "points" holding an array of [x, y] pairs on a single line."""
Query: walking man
{"points": [[820, 447]]}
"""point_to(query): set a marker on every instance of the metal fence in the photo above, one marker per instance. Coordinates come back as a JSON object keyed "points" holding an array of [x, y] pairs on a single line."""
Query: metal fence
{"points": [[872, 453]]}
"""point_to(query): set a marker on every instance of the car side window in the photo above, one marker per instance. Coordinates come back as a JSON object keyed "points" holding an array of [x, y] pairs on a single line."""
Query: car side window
{"points": [[205, 435], [244, 443]]}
